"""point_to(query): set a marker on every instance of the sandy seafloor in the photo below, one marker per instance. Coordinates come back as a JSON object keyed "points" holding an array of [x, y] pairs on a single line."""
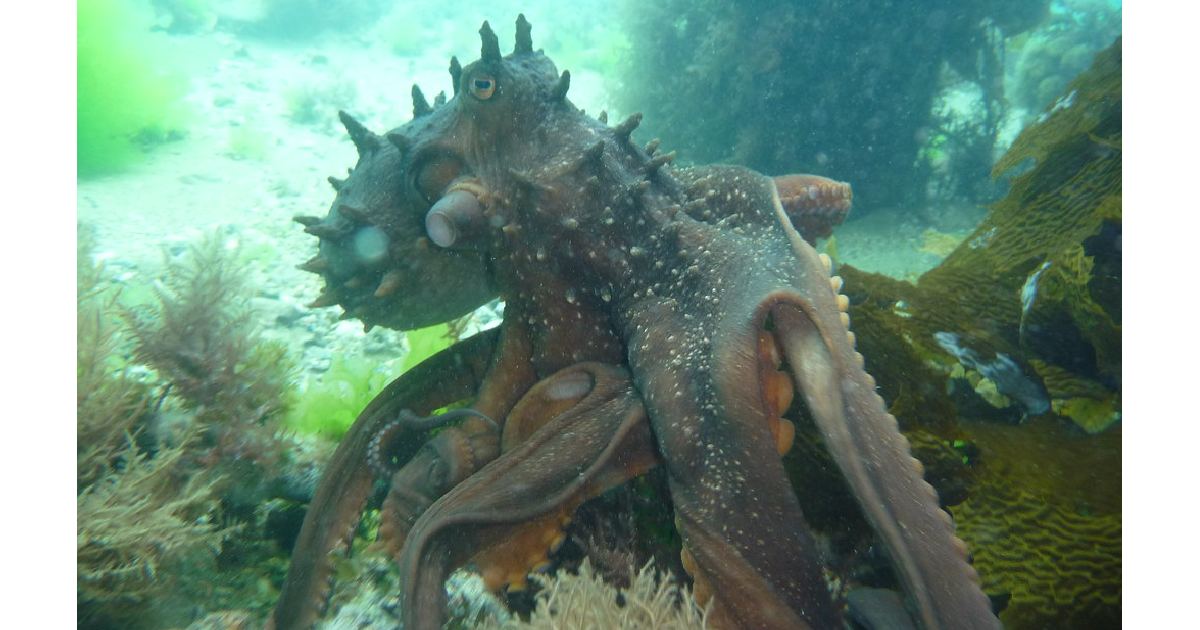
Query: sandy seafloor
{"points": [[248, 163]]}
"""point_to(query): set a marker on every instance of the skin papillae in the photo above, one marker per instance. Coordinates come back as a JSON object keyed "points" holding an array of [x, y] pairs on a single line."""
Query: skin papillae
{"points": [[653, 316]]}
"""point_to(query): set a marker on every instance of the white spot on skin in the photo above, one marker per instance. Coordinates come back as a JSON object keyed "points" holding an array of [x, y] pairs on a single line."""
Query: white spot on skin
{"points": [[371, 245]]}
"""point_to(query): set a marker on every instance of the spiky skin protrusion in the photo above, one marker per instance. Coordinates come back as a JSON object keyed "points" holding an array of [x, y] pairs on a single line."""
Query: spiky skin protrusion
{"points": [[455, 74], [365, 141], [421, 106], [559, 91]]}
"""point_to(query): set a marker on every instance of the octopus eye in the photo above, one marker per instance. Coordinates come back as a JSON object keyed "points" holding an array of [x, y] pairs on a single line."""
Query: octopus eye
{"points": [[483, 87], [436, 175]]}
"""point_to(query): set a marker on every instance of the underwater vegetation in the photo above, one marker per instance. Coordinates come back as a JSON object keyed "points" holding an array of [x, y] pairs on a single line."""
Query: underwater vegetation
{"points": [[1020, 328], [179, 453], [129, 87], [586, 600], [199, 336], [329, 406], [843, 88], [140, 507], [1044, 59], [1061, 565]]}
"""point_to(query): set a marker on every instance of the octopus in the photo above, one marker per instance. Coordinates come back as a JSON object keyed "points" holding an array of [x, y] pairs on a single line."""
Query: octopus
{"points": [[654, 316]]}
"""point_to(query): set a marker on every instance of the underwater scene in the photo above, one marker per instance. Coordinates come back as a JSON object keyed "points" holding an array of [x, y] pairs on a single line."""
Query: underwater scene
{"points": [[674, 314]]}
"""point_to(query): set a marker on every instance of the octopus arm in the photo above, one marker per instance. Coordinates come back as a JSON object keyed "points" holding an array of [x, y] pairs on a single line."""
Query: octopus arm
{"points": [[691, 349], [334, 513], [813, 204], [746, 542], [591, 434], [872, 454], [456, 452]]}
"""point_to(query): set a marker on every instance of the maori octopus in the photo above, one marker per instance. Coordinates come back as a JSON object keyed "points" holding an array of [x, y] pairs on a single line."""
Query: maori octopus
{"points": [[654, 316]]}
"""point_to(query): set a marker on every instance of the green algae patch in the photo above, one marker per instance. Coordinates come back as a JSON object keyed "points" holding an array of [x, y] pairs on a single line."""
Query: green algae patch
{"points": [[426, 342], [129, 88], [332, 403]]}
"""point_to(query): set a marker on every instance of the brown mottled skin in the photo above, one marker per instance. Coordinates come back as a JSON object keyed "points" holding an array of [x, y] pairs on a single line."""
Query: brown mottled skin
{"points": [[653, 316]]}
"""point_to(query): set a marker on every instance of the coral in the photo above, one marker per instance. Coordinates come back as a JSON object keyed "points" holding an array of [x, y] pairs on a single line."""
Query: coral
{"points": [[129, 92], [584, 600]]}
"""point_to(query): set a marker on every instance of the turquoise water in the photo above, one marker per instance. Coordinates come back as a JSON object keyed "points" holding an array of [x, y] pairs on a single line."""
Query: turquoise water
{"points": [[213, 393]]}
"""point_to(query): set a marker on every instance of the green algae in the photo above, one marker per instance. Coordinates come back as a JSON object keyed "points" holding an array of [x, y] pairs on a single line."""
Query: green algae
{"points": [[130, 88], [332, 402], [426, 342]]}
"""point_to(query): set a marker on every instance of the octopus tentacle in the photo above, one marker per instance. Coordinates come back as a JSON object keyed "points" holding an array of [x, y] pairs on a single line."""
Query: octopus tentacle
{"points": [[873, 455], [814, 204], [593, 439], [748, 545], [445, 461], [715, 431], [336, 508], [391, 434]]}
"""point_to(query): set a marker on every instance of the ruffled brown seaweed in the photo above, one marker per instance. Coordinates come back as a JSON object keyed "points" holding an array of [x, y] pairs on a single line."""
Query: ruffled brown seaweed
{"points": [[1020, 326]]}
